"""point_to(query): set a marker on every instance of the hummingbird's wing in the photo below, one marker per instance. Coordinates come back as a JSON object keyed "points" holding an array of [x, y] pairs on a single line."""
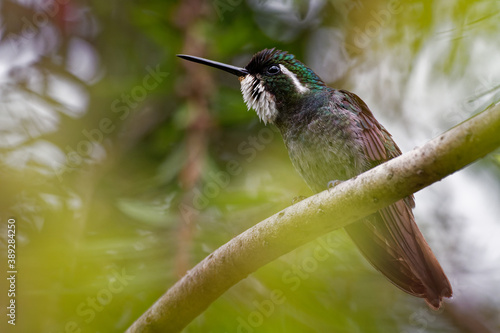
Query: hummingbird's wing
{"points": [[390, 238]]}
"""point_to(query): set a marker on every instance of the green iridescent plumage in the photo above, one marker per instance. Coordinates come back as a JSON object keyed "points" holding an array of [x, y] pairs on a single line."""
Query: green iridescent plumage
{"points": [[269, 57]]}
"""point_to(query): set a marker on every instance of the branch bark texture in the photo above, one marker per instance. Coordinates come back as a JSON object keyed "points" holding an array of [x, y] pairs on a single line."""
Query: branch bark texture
{"points": [[318, 215]]}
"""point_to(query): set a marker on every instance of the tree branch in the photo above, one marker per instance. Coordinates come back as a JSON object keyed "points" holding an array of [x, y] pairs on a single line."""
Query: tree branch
{"points": [[320, 214]]}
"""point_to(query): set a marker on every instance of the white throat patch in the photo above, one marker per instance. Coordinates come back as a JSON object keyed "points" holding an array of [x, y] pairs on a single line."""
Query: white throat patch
{"points": [[256, 97]]}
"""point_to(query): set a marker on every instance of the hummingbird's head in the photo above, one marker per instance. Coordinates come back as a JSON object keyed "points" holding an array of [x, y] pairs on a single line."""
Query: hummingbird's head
{"points": [[271, 79]]}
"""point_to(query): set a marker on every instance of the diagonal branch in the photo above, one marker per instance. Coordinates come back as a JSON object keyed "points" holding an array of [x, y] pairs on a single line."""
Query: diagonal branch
{"points": [[320, 214]]}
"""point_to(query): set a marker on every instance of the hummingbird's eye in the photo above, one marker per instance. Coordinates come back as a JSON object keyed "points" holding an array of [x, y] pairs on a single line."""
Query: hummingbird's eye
{"points": [[273, 70]]}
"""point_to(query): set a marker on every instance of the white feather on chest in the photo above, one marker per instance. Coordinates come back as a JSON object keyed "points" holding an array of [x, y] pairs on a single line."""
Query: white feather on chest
{"points": [[256, 97]]}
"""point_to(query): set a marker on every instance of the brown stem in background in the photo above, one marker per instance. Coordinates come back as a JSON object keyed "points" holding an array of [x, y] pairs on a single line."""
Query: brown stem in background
{"points": [[196, 91]]}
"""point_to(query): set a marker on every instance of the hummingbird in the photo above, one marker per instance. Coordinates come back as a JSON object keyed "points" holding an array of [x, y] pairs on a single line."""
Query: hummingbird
{"points": [[331, 136]]}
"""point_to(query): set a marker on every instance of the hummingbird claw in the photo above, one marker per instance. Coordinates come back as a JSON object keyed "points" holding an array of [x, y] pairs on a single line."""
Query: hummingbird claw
{"points": [[298, 199], [333, 183]]}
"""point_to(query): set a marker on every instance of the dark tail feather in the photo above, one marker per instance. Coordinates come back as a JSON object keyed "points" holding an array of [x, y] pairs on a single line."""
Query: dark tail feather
{"points": [[393, 244]]}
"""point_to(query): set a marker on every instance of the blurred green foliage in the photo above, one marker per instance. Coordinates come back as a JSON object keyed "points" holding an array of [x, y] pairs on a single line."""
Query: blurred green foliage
{"points": [[125, 166]]}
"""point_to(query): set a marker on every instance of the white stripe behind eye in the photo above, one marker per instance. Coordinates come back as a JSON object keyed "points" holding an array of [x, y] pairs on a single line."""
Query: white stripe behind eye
{"points": [[300, 87]]}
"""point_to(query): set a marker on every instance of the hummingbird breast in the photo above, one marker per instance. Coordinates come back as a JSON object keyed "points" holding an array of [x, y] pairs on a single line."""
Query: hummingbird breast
{"points": [[333, 136], [324, 142]]}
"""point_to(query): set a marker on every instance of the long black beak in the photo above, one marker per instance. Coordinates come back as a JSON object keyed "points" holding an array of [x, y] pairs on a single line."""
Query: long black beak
{"points": [[239, 71]]}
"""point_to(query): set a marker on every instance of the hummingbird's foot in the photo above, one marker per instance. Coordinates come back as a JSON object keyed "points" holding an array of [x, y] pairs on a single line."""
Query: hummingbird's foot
{"points": [[298, 199], [333, 183]]}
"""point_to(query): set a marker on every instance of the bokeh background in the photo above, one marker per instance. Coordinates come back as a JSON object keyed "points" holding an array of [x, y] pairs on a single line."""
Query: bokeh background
{"points": [[118, 158]]}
